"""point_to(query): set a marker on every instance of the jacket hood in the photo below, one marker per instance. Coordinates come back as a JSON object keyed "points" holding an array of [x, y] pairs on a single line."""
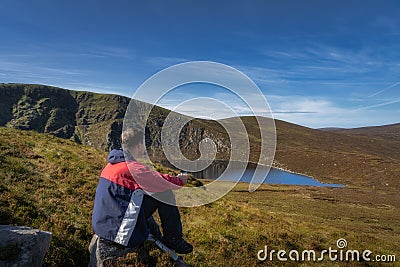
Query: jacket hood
{"points": [[116, 156], [119, 155]]}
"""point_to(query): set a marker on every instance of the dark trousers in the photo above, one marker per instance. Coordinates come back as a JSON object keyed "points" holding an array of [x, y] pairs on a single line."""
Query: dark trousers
{"points": [[104, 252], [169, 214]]}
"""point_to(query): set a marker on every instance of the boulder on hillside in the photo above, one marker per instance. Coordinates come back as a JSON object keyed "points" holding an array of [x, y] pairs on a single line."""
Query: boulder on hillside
{"points": [[23, 246]]}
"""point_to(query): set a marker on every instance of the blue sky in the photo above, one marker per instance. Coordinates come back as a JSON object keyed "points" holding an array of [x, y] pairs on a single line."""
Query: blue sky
{"points": [[319, 63]]}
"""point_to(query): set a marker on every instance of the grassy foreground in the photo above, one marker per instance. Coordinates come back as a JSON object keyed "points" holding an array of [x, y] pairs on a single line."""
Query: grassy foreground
{"points": [[49, 183]]}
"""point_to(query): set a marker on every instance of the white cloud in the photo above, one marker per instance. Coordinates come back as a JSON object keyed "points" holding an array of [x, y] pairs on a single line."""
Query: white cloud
{"points": [[319, 112], [311, 111]]}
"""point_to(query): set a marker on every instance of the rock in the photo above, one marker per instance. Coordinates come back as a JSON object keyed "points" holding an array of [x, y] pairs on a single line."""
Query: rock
{"points": [[97, 119], [23, 246]]}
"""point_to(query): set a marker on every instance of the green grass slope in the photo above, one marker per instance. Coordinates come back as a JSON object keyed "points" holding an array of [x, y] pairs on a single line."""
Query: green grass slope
{"points": [[49, 183]]}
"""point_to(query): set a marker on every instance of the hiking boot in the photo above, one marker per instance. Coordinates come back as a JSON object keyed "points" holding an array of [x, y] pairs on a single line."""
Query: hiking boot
{"points": [[178, 244]]}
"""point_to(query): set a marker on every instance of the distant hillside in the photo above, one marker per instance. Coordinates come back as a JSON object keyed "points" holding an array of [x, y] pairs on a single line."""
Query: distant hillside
{"points": [[332, 129], [366, 160], [335, 157], [391, 131]]}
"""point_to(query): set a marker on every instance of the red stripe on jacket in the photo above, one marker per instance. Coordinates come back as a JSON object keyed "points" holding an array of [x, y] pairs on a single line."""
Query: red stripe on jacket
{"points": [[134, 175]]}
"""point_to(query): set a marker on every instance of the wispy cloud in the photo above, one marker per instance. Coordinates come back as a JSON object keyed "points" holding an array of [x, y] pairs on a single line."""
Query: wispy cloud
{"points": [[214, 103], [301, 84], [302, 104], [18, 70], [294, 112], [328, 63], [386, 103], [106, 52], [56, 51], [55, 65], [385, 89], [311, 111], [165, 61]]}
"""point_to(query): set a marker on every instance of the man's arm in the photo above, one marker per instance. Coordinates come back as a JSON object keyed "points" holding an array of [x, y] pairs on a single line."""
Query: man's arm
{"points": [[180, 180], [153, 181]]}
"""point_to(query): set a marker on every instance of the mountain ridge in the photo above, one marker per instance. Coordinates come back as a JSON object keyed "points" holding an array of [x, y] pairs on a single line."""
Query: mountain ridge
{"points": [[388, 131], [96, 120]]}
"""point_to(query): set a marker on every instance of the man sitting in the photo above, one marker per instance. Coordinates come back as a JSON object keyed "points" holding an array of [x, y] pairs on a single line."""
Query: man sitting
{"points": [[124, 201]]}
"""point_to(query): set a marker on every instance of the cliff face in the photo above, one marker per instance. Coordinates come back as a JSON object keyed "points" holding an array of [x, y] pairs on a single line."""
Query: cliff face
{"points": [[87, 118], [94, 119], [36, 108]]}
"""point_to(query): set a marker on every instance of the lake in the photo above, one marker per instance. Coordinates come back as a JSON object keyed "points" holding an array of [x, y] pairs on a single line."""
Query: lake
{"points": [[275, 176]]}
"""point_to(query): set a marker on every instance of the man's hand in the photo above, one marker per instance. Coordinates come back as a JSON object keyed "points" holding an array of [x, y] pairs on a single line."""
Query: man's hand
{"points": [[183, 177]]}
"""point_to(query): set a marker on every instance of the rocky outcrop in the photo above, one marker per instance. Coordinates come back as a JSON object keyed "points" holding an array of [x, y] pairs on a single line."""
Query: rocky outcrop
{"points": [[22, 246], [96, 119], [87, 118]]}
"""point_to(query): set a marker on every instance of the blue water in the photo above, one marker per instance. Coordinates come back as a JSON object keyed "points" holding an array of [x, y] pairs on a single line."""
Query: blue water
{"points": [[277, 176], [218, 170]]}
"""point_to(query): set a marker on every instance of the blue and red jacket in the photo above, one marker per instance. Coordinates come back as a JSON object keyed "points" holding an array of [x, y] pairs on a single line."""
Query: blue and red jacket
{"points": [[117, 213]]}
